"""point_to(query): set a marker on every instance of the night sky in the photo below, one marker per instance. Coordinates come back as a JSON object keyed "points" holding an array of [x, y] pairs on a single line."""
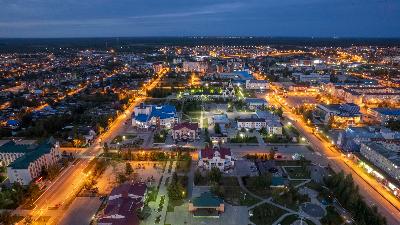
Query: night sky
{"points": [[110, 18]]}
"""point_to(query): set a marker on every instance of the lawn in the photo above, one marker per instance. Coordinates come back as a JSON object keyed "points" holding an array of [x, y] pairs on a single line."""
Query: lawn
{"points": [[266, 214], [297, 172], [291, 200], [258, 185], [233, 193], [183, 166], [288, 220]]}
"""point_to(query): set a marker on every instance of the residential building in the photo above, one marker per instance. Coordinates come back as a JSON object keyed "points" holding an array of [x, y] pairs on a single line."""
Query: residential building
{"points": [[218, 157], [25, 162], [382, 157], [151, 115], [219, 138], [123, 204], [220, 119], [200, 67], [274, 127], [251, 123], [186, 132], [261, 85], [312, 77], [256, 103], [383, 115], [351, 138]]}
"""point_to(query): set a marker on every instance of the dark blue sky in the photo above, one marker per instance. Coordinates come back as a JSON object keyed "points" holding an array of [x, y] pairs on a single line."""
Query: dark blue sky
{"points": [[105, 18]]}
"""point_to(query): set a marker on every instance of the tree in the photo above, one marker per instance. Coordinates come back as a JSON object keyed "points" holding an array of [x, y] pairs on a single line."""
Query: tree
{"points": [[197, 177], [214, 175], [128, 169], [105, 148], [217, 128], [271, 155], [121, 178]]}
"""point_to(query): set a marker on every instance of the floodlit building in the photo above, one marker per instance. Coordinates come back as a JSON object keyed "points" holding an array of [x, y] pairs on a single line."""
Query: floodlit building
{"points": [[25, 162], [151, 115], [383, 115], [218, 157], [382, 157], [345, 114], [251, 123], [256, 103], [261, 85], [186, 132]]}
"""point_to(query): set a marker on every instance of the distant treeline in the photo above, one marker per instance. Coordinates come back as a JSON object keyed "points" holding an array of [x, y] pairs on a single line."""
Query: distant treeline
{"points": [[149, 43]]}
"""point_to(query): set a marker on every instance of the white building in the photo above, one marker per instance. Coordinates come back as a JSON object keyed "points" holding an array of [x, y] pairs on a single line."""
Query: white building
{"points": [[31, 160], [151, 115], [251, 123], [261, 85], [312, 77], [200, 67], [274, 127], [218, 157], [386, 159], [185, 132]]}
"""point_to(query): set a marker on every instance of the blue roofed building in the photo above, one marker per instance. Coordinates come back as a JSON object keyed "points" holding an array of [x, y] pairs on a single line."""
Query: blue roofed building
{"points": [[25, 161], [350, 139], [383, 115], [146, 116], [340, 114]]}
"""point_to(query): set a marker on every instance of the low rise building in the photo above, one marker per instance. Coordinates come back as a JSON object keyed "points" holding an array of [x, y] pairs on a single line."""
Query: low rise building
{"points": [[251, 123], [206, 205], [25, 162], [146, 116], [312, 77], [340, 114], [256, 103], [217, 157], [382, 157], [383, 115], [274, 127], [261, 85], [186, 132], [123, 205]]}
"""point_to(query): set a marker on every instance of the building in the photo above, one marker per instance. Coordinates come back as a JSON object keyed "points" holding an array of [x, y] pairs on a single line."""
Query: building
{"points": [[207, 205], [340, 114], [256, 103], [383, 115], [151, 115], [221, 119], [261, 85], [274, 127], [218, 157], [351, 138], [219, 138], [25, 162], [200, 67], [312, 77], [186, 132], [382, 157], [251, 123], [123, 204]]}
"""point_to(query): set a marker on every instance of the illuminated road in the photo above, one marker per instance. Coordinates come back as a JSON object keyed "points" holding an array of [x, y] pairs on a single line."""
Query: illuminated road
{"points": [[370, 189], [55, 200]]}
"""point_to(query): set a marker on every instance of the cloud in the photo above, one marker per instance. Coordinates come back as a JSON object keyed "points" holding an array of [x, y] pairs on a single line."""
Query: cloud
{"points": [[207, 10]]}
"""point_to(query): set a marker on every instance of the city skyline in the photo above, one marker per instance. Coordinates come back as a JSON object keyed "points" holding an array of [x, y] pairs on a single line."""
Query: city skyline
{"points": [[42, 18]]}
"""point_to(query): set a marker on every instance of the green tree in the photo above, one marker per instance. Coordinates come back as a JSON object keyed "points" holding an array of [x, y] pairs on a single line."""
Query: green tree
{"points": [[128, 169], [214, 175]]}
